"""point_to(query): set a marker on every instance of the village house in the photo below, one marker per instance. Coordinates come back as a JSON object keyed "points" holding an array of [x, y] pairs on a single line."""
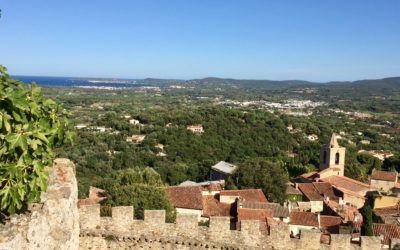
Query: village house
{"points": [[134, 122], [380, 154], [293, 194], [80, 126], [197, 129], [316, 193], [383, 180], [136, 138], [302, 221], [198, 200], [247, 195], [222, 170], [312, 137]]}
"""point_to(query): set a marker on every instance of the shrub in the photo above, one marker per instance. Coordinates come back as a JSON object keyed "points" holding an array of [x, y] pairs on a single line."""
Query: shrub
{"points": [[30, 125]]}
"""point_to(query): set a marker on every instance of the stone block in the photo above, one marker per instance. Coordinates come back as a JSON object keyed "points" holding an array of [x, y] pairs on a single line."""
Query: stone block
{"points": [[370, 242], [155, 217], [340, 241], [186, 221], [89, 216]]}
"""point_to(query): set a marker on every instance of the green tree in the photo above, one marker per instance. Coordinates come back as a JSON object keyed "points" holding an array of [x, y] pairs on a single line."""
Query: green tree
{"points": [[30, 126], [271, 177], [367, 222], [141, 188]]}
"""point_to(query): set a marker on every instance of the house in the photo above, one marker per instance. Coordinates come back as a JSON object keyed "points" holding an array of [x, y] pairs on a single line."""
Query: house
{"points": [[312, 137], [329, 224], [198, 200], [380, 154], [387, 232], [383, 180], [383, 201], [222, 170], [136, 138], [292, 193], [316, 193], [365, 142], [302, 221], [80, 126], [134, 122], [348, 213], [387, 215], [197, 129], [352, 191], [247, 195]]}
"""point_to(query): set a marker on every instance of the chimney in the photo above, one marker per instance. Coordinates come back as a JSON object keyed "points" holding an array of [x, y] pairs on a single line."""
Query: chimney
{"points": [[319, 220]]}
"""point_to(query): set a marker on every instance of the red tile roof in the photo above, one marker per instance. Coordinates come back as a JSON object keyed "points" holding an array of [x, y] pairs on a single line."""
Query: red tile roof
{"points": [[388, 231], [383, 175], [185, 196], [317, 191], [251, 195], [347, 183], [330, 224], [303, 218], [212, 207], [310, 192], [254, 214]]}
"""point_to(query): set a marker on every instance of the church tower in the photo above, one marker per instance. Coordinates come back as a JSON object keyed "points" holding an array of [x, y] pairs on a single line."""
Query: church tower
{"points": [[332, 157]]}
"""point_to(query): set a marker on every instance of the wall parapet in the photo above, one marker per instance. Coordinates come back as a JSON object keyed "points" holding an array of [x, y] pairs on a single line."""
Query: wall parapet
{"points": [[54, 222], [121, 228]]}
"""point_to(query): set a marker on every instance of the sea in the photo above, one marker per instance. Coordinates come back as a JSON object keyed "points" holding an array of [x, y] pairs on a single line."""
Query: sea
{"points": [[81, 82]]}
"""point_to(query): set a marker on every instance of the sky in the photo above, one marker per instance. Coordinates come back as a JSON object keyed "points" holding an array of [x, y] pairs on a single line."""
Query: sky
{"points": [[186, 39]]}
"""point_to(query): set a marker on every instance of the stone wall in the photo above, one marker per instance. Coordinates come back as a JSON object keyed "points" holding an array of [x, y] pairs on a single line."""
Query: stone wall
{"points": [[51, 224], [121, 231]]}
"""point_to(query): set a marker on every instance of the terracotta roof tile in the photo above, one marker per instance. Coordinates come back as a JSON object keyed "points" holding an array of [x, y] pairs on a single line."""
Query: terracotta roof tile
{"points": [[277, 209], [292, 190], [185, 196], [388, 231], [212, 207], [383, 175], [254, 214], [330, 224], [251, 195], [303, 218], [347, 183], [310, 192]]}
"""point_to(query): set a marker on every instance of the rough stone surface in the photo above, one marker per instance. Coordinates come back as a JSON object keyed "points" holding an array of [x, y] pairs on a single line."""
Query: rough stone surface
{"points": [[51, 224]]}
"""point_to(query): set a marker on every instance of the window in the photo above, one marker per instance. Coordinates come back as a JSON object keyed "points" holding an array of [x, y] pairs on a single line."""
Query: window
{"points": [[324, 157], [337, 158]]}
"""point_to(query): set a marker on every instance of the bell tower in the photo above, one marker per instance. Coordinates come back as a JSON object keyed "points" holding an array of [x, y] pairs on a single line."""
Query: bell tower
{"points": [[332, 156]]}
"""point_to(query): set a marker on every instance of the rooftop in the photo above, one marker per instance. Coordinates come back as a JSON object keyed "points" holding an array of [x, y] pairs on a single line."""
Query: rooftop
{"points": [[330, 224], [388, 231], [250, 195], [224, 167], [383, 175], [185, 196], [303, 218], [347, 183]]}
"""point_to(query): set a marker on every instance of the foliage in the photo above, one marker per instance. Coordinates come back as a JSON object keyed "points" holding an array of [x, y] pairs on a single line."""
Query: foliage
{"points": [[30, 125], [138, 188], [367, 221], [270, 176]]}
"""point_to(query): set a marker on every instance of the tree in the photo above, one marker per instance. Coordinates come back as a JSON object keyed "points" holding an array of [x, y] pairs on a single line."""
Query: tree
{"points": [[30, 126], [138, 187], [270, 176], [367, 222]]}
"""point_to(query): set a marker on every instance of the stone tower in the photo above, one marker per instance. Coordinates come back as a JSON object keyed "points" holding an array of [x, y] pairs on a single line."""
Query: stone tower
{"points": [[332, 156]]}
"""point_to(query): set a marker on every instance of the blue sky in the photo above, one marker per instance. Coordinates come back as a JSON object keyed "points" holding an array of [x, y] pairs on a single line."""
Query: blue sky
{"points": [[310, 40]]}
